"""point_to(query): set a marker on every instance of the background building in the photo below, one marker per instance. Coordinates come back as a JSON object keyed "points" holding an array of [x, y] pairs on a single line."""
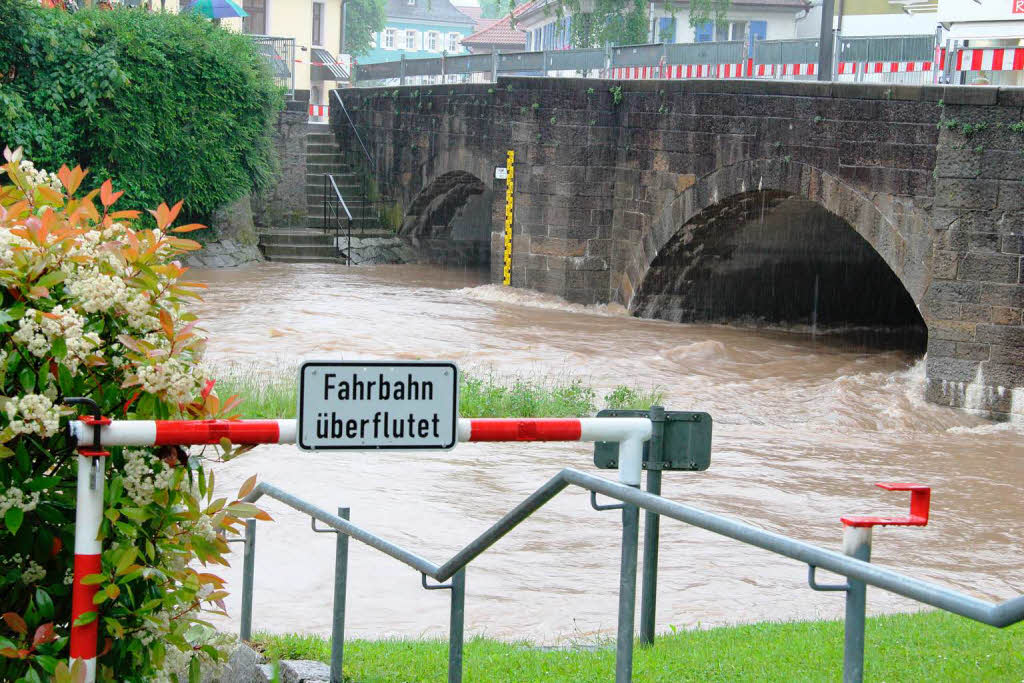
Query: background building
{"points": [[498, 35], [420, 28]]}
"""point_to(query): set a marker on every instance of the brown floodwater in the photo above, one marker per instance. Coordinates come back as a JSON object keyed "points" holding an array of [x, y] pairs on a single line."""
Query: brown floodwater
{"points": [[803, 428]]}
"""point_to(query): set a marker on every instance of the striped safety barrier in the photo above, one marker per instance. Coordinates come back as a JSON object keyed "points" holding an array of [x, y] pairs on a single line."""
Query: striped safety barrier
{"points": [[738, 70], [318, 110], [101, 432], [991, 59]]}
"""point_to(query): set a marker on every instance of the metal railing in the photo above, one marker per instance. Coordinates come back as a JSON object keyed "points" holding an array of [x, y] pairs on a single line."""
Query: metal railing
{"points": [[336, 215], [603, 60], [859, 572], [280, 55]]}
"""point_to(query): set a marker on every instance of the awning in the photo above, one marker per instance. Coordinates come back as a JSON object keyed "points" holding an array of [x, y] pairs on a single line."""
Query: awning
{"points": [[324, 67]]}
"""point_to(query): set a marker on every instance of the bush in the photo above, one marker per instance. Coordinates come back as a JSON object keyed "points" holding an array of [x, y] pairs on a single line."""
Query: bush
{"points": [[167, 105], [92, 306]]}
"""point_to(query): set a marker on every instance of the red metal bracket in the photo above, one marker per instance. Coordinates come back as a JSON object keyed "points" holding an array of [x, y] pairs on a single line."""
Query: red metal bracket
{"points": [[920, 499], [95, 423]]}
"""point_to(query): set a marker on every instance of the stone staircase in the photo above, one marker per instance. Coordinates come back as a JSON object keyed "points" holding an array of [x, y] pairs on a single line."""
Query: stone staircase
{"points": [[314, 244], [323, 157]]}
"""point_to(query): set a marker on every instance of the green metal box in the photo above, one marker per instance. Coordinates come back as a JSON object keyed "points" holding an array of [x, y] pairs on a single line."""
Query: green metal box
{"points": [[686, 444]]}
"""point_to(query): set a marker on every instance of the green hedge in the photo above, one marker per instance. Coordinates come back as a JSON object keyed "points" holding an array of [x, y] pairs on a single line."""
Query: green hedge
{"points": [[168, 106]]}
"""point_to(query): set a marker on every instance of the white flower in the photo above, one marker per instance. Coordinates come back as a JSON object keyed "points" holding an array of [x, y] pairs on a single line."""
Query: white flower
{"points": [[14, 497], [37, 412], [34, 573]]}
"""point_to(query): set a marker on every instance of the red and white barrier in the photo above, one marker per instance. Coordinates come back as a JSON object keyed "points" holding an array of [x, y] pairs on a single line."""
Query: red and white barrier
{"points": [[896, 67], [629, 432], [991, 59], [318, 109]]}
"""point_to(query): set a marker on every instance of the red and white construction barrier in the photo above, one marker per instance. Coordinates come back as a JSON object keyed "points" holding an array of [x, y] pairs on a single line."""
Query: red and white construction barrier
{"points": [[896, 67], [318, 110], [991, 59], [629, 432]]}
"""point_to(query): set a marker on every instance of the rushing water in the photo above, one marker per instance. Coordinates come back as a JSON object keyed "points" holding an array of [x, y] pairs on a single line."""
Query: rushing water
{"points": [[802, 429]]}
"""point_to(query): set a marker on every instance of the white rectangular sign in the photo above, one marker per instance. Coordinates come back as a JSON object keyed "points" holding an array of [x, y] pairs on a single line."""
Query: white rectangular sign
{"points": [[500, 173], [371, 404]]}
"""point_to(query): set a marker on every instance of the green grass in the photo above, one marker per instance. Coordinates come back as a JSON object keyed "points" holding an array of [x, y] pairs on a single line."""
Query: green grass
{"points": [[274, 395], [931, 646]]}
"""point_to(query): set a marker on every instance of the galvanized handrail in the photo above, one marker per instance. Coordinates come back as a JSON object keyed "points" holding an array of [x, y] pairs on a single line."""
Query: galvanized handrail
{"points": [[995, 614], [331, 205]]}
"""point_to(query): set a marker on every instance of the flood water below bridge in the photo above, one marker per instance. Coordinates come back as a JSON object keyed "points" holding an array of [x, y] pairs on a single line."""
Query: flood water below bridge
{"points": [[803, 428]]}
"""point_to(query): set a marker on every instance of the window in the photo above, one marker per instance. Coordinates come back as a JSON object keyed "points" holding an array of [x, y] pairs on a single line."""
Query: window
{"points": [[705, 32], [318, 23], [256, 22], [666, 30], [433, 41], [411, 3], [737, 30], [410, 39], [453, 42], [389, 38], [758, 31]]}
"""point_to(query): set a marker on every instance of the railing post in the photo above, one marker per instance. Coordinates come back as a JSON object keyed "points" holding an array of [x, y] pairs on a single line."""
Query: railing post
{"points": [[401, 71], [630, 469], [857, 544], [544, 55], [340, 586], [494, 66], [825, 40], [652, 528], [325, 202], [248, 567], [627, 594], [456, 626]]}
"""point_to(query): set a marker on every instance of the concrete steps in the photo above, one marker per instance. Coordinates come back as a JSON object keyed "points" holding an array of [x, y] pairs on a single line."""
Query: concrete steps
{"points": [[297, 245], [323, 157]]}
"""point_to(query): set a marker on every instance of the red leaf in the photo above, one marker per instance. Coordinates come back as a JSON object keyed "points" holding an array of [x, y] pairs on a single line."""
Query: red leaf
{"points": [[16, 623], [56, 547], [208, 388], [189, 228], [44, 634], [11, 653], [107, 194], [129, 402]]}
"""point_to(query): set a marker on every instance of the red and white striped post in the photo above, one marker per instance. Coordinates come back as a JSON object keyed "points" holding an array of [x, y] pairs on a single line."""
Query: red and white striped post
{"points": [[88, 549], [629, 432]]}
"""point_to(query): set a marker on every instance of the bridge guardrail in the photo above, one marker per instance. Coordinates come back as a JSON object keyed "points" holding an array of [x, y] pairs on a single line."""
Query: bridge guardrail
{"points": [[776, 59]]}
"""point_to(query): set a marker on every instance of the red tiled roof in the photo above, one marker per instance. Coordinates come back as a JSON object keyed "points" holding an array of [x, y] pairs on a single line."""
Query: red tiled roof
{"points": [[500, 32]]}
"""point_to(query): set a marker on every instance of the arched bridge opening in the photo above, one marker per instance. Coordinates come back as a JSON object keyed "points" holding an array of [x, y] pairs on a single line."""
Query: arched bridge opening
{"points": [[449, 221], [772, 258]]}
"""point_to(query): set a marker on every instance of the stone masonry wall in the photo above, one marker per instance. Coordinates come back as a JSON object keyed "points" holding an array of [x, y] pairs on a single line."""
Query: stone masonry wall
{"points": [[284, 205], [608, 172]]}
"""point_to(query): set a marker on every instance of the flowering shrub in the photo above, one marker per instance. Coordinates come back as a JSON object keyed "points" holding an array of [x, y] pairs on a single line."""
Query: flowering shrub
{"points": [[92, 306]]}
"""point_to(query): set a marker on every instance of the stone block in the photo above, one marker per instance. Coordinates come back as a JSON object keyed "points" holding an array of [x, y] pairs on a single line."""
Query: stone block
{"points": [[971, 351], [1010, 335], [1003, 374], [984, 267], [304, 671], [953, 330], [944, 264], [1011, 194], [968, 194], [952, 369]]}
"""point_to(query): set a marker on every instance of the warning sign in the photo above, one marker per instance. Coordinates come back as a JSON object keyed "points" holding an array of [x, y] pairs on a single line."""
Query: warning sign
{"points": [[364, 405]]}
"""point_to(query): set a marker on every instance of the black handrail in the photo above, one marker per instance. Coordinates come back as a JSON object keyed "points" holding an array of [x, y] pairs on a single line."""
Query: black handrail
{"points": [[334, 204]]}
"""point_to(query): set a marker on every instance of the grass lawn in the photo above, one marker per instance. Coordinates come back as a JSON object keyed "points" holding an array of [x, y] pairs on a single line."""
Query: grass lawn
{"points": [[491, 395], [929, 646]]}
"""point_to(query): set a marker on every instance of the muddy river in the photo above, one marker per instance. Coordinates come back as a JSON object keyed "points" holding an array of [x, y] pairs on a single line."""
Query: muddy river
{"points": [[803, 427]]}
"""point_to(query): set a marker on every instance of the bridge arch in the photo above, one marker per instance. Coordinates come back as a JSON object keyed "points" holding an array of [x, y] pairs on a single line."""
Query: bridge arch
{"points": [[449, 220], [770, 241]]}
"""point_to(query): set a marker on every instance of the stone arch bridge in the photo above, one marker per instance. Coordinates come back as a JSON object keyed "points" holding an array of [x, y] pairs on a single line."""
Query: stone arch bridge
{"points": [[800, 202]]}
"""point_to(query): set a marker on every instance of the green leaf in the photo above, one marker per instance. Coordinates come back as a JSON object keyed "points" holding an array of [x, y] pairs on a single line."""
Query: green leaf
{"points": [[65, 380], [86, 618], [41, 483], [136, 514], [13, 519], [93, 579], [5, 452], [27, 379], [51, 279], [32, 676], [44, 376], [126, 559], [99, 598], [60, 348], [193, 670], [44, 604]]}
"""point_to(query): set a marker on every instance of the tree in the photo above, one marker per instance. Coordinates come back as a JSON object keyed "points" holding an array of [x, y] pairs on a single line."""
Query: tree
{"points": [[363, 18]]}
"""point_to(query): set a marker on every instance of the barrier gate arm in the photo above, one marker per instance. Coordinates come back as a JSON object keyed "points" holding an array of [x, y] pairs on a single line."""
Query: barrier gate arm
{"points": [[630, 433]]}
